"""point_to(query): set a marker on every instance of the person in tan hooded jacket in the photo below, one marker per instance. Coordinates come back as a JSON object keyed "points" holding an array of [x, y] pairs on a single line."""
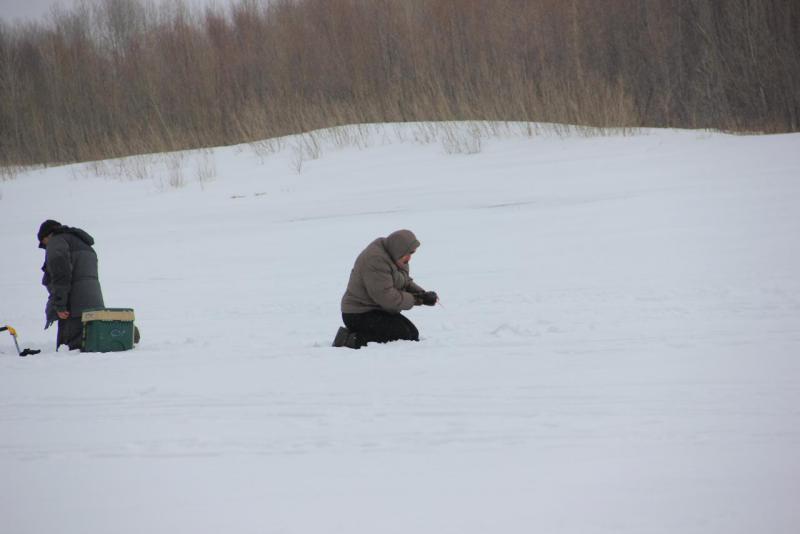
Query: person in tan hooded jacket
{"points": [[380, 287]]}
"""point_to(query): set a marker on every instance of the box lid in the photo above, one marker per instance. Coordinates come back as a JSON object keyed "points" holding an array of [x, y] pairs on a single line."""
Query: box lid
{"points": [[108, 314]]}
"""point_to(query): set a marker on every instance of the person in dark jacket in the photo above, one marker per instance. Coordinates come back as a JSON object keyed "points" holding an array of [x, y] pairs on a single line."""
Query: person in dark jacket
{"points": [[380, 287], [71, 279]]}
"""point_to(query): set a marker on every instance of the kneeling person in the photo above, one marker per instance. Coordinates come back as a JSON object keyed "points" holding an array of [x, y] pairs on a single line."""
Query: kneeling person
{"points": [[380, 287]]}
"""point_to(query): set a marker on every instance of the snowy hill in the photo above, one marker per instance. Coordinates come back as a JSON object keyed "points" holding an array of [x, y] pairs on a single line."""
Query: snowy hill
{"points": [[617, 349]]}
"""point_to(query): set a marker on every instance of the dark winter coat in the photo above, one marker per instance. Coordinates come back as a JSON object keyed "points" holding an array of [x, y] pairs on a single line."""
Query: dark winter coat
{"points": [[377, 282], [70, 273]]}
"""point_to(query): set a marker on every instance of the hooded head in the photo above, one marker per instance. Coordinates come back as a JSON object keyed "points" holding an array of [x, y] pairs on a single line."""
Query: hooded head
{"points": [[400, 243], [47, 228]]}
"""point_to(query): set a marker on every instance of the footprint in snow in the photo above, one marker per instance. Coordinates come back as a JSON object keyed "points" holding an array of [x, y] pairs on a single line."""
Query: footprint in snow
{"points": [[511, 330]]}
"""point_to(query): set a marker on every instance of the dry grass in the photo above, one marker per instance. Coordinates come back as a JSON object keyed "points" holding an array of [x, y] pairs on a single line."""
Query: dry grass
{"points": [[120, 77]]}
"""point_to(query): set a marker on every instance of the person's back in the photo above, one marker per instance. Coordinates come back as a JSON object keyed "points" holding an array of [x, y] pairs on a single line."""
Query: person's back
{"points": [[377, 283]]}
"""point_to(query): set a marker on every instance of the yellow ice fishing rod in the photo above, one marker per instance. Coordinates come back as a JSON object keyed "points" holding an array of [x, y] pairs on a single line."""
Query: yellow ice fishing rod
{"points": [[16, 344]]}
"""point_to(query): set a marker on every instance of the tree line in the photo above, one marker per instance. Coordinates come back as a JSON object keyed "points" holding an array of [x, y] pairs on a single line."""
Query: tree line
{"points": [[121, 77]]}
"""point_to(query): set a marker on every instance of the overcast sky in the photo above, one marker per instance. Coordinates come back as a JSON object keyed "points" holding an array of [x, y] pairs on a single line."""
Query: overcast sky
{"points": [[27, 10]]}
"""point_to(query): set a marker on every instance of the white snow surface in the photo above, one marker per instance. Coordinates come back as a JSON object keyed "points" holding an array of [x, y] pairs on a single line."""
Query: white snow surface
{"points": [[617, 350]]}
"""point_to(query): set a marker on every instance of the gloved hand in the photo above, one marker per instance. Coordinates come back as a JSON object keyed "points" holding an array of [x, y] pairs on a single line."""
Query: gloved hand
{"points": [[429, 298]]}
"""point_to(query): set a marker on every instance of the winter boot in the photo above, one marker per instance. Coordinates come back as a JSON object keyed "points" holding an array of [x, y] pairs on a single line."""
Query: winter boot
{"points": [[346, 338]]}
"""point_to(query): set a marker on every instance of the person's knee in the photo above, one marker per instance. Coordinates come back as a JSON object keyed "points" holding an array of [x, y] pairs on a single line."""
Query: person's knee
{"points": [[412, 334], [415, 335]]}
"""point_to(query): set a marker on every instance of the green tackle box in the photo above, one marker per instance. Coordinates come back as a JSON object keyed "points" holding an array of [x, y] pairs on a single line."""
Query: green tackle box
{"points": [[107, 330]]}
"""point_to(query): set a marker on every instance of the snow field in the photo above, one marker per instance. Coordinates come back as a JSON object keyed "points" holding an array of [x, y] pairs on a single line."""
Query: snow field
{"points": [[616, 350]]}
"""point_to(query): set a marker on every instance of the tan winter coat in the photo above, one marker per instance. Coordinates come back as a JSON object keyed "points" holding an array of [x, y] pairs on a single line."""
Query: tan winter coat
{"points": [[376, 282]]}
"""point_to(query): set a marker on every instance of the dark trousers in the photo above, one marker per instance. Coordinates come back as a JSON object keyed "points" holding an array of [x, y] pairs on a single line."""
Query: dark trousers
{"points": [[380, 326], [70, 333]]}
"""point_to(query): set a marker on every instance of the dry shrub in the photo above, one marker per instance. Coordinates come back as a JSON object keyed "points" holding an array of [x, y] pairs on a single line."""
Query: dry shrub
{"points": [[121, 77]]}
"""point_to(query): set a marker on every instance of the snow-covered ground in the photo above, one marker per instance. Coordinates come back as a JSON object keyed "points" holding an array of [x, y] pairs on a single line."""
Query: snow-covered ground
{"points": [[618, 348]]}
